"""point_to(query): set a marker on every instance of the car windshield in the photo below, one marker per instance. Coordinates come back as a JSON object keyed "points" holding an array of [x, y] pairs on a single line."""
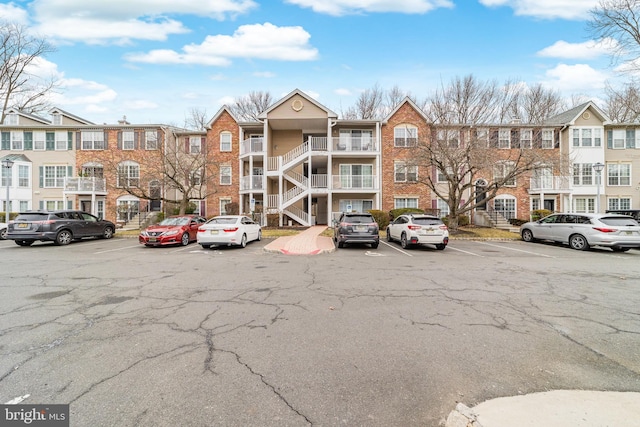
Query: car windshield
{"points": [[619, 221], [358, 219], [222, 221], [32, 217], [427, 221], [175, 221]]}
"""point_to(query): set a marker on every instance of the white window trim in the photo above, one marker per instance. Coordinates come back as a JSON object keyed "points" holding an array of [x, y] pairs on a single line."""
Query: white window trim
{"points": [[223, 143]]}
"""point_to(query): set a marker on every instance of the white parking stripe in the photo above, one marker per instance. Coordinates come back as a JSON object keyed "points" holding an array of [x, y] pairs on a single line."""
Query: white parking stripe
{"points": [[117, 249], [449, 247], [396, 248], [517, 250]]}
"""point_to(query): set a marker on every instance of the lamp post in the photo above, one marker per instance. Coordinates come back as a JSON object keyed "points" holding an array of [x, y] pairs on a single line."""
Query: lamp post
{"points": [[7, 164], [598, 168]]}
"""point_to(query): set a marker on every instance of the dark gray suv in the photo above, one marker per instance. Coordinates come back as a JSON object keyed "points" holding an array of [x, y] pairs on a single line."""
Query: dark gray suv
{"points": [[356, 228], [61, 227]]}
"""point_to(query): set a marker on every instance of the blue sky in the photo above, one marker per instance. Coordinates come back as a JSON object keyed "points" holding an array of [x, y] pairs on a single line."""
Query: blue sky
{"points": [[154, 60]]}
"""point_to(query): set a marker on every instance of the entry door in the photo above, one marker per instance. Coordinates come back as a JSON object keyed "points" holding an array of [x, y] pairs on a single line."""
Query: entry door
{"points": [[550, 205], [85, 206]]}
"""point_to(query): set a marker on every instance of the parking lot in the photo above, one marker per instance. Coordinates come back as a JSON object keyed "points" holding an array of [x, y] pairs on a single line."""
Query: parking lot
{"points": [[130, 336]]}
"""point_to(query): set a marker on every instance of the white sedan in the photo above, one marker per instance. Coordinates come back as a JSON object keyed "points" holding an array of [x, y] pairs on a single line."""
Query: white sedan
{"points": [[228, 230]]}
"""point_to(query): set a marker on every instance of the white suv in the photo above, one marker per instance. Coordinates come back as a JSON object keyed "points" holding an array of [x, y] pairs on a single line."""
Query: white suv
{"points": [[418, 229]]}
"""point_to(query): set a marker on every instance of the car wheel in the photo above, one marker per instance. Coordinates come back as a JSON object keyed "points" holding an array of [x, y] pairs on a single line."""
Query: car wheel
{"points": [[243, 241], [24, 242], [205, 246], [3, 234], [578, 242], [259, 235], [64, 237], [527, 235], [440, 246], [619, 249], [374, 245], [108, 233], [403, 241], [340, 244], [389, 239], [184, 240]]}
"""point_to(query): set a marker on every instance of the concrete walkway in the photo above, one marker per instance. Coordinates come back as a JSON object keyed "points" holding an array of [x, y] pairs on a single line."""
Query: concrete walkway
{"points": [[308, 242]]}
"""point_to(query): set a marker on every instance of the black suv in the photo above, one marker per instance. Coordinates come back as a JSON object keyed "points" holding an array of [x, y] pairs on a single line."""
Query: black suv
{"points": [[356, 228], [61, 227]]}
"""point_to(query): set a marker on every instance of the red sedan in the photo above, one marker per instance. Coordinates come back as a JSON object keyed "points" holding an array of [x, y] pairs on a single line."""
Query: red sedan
{"points": [[174, 230]]}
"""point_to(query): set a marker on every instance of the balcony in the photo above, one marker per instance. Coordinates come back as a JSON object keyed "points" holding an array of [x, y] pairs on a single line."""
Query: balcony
{"points": [[354, 144], [355, 182], [85, 185], [252, 145], [546, 184], [252, 182]]}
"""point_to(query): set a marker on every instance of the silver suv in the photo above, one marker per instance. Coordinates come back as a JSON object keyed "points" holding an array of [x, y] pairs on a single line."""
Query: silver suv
{"points": [[61, 227], [355, 227]]}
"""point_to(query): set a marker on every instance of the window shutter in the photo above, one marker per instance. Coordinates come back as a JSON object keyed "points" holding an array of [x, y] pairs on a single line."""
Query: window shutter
{"points": [[51, 141], [28, 140], [631, 138], [106, 139], [609, 138], [41, 177], [159, 134], [70, 141], [78, 140], [6, 140], [69, 204], [69, 171], [41, 205], [119, 140], [203, 140], [136, 140], [186, 145], [434, 204]]}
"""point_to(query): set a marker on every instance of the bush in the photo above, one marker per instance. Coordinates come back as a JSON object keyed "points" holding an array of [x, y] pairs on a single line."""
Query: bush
{"points": [[394, 213], [381, 217], [463, 220], [540, 213], [273, 220], [517, 221], [12, 215], [232, 208]]}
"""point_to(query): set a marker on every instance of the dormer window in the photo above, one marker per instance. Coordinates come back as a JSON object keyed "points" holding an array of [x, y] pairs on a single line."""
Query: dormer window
{"points": [[11, 119], [56, 118]]}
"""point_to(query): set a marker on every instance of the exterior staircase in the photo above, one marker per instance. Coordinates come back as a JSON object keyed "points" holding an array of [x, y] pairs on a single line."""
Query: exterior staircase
{"points": [[495, 220]]}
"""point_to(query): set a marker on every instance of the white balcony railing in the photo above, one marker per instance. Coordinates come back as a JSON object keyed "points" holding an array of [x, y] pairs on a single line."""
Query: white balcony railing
{"points": [[252, 145], [549, 183], [355, 182], [354, 144], [255, 182], [85, 185]]}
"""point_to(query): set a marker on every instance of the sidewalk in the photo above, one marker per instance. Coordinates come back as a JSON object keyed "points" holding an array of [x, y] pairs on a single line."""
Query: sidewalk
{"points": [[560, 408], [308, 242]]}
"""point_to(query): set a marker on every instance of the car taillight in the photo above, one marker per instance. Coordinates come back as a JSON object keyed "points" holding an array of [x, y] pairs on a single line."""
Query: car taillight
{"points": [[605, 230], [414, 227], [49, 221], [444, 227], [231, 230], [201, 230]]}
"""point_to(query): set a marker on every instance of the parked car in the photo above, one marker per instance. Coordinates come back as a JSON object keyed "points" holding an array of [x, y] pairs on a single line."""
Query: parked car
{"points": [[3, 230], [229, 230], [633, 213], [356, 227], [583, 230], [174, 230], [61, 227], [415, 229]]}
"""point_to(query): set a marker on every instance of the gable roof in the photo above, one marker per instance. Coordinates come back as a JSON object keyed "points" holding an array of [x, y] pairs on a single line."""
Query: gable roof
{"points": [[69, 115], [298, 92], [29, 116], [218, 114], [412, 104], [569, 117]]}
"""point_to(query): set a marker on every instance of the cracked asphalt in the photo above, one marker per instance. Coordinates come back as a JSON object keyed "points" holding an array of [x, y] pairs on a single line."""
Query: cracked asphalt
{"points": [[134, 336]]}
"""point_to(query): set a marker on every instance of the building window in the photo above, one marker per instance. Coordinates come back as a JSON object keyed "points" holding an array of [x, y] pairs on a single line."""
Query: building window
{"points": [[582, 174], [405, 136], [24, 205], [6, 176], [504, 138], [618, 174], [11, 119], [92, 140], [526, 137], [505, 206], [56, 119], [225, 175], [449, 138], [225, 141], [39, 140], [62, 138], [501, 172], [620, 203], [584, 204], [619, 139], [405, 173], [195, 144], [223, 205], [53, 205], [151, 140], [547, 138], [17, 140], [54, 176], [24, 176], [355, 205], [128, 174], [356, 176], [482, 137], [128, 140], [196, 177], [443, 208], [405, 202], [587, 137]]}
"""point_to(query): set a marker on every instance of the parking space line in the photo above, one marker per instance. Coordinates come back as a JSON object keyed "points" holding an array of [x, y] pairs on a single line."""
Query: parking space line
{"points": [[116, 249], [394, 247], [517, 250], [466, 252]]}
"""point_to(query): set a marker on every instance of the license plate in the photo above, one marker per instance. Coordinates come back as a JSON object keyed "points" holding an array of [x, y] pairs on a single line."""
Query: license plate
{"points": [[214, 231], [361, 228], [23, 225], [629, 233], [152, 239]]}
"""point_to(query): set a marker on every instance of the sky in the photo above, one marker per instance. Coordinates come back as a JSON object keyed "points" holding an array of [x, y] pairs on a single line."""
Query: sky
{"points": [[154, 61]]}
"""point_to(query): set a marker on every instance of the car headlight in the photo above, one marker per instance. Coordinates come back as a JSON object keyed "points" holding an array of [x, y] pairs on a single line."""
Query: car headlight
{"points": [[144, 234], [171, 232]]}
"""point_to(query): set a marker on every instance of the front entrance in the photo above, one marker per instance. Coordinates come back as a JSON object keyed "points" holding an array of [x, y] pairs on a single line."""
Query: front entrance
{"points": [[85, 206], [550, 205]]}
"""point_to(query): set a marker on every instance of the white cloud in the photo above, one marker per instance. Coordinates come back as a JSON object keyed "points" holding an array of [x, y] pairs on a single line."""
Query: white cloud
{"points": [[588, 50], [264, 74], [575, 78], [547, 9], [261, 41], [346, 7], [12, 13], [120, 21], [342, 92]]}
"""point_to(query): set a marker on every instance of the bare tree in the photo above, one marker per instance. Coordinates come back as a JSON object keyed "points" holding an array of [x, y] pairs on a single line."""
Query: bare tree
{"points": [[368, 105], [538, 104], [196, 119], [18, 87], [464, 100], [619, 20], [623, 106], [249, 107]]}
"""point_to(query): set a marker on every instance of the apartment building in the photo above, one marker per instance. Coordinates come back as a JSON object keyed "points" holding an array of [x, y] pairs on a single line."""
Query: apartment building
{"points": [[300, 164]]}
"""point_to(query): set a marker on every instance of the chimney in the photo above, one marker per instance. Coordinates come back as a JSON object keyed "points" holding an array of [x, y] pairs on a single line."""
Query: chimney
{"points": [[123, 121]]}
